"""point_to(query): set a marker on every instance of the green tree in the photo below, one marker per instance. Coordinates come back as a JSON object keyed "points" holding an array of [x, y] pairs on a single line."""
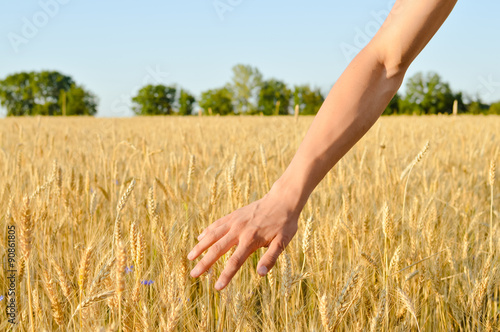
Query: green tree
{"points": [[186, 103], [42, 93], [79, 101], [16, 94], [393, 106], [428, 94], [274, 98], [494, 108], [245, 84], [47, 88], [309, 100], [477, 106], [154, 100], [219, 101]]}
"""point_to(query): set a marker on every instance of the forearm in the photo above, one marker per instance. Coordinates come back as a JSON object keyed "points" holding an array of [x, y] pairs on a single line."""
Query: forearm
{"points": [[360, 95], [353, 105]]}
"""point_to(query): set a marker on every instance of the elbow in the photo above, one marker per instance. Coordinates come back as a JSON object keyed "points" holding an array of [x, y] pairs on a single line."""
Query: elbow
{"points": [[395, 67], [391, 59], [394, 73], [394, 70]]}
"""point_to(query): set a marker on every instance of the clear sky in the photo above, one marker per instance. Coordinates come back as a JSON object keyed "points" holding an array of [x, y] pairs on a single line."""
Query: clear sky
{"points": [[114, 47]]}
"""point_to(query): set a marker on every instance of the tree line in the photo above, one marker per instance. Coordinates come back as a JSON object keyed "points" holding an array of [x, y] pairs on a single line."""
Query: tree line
{"points": [[247, 93], [45, 93], [53, 93]]}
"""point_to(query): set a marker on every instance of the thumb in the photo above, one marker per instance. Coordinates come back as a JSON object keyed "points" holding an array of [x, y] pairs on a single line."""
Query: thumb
{"points": [[268, 260]]}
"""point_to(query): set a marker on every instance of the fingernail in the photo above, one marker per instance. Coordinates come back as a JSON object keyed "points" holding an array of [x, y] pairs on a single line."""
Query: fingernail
{"points": [[218, 285], [262, 270], [201, 236], [191, 255], [195, 272]]}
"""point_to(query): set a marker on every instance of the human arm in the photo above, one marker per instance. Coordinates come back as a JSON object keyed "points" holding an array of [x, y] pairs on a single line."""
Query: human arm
{"points": [[353, 105]]}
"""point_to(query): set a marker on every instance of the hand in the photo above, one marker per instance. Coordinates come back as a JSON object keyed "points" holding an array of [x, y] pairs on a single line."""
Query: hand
{"points": [[269, 222]]}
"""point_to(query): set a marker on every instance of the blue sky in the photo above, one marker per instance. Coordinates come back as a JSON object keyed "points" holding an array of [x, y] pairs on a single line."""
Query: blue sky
{"points": [[115, 47]]}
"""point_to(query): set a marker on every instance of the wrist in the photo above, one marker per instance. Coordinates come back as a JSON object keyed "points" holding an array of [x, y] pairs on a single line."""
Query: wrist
{"points": [[290, 193]]}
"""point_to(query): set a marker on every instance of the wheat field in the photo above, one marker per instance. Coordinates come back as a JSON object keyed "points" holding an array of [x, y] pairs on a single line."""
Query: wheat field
{"points": [[401, 235]]}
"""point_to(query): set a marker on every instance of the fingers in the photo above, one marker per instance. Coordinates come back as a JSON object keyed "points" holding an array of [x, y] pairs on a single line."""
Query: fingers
{"points": [[214, 253], [268, 260], [234, 263], [208, 240], [214, 225]]}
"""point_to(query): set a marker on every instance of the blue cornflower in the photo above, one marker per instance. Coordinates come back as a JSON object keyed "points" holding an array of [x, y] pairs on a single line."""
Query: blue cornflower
{"points": [[147, 282], [128, 269], [1, 297]]}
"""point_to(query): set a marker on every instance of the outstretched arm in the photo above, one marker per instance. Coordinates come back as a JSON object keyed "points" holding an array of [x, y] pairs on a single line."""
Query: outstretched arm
{"points": [[353, 105]]}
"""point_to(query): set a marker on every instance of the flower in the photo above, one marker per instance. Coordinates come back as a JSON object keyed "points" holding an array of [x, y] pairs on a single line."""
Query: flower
{"points": [[1, 297], [129, 269], [147, 282]]}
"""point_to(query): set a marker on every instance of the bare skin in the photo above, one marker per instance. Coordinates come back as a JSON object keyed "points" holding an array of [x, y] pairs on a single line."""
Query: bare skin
{"points": [[351, 108]]}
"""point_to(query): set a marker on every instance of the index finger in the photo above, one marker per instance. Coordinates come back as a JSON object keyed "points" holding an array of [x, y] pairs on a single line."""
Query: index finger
{"points": [[214, 225]]}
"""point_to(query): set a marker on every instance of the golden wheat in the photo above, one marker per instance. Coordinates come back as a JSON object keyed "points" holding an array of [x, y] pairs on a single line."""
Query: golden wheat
{"points": [[106, 210]]}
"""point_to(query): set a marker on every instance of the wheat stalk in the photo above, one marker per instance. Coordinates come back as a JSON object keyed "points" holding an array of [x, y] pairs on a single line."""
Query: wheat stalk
{"points": [[119, 209], [121, 263], [491, 182], [306, 238], [342, 303], [92, 300], [191, 167], [408, 304], [203, 324], [25, 240], [376, 323], [263, 160], [57, 311], [84, 269], [63, 280]]}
